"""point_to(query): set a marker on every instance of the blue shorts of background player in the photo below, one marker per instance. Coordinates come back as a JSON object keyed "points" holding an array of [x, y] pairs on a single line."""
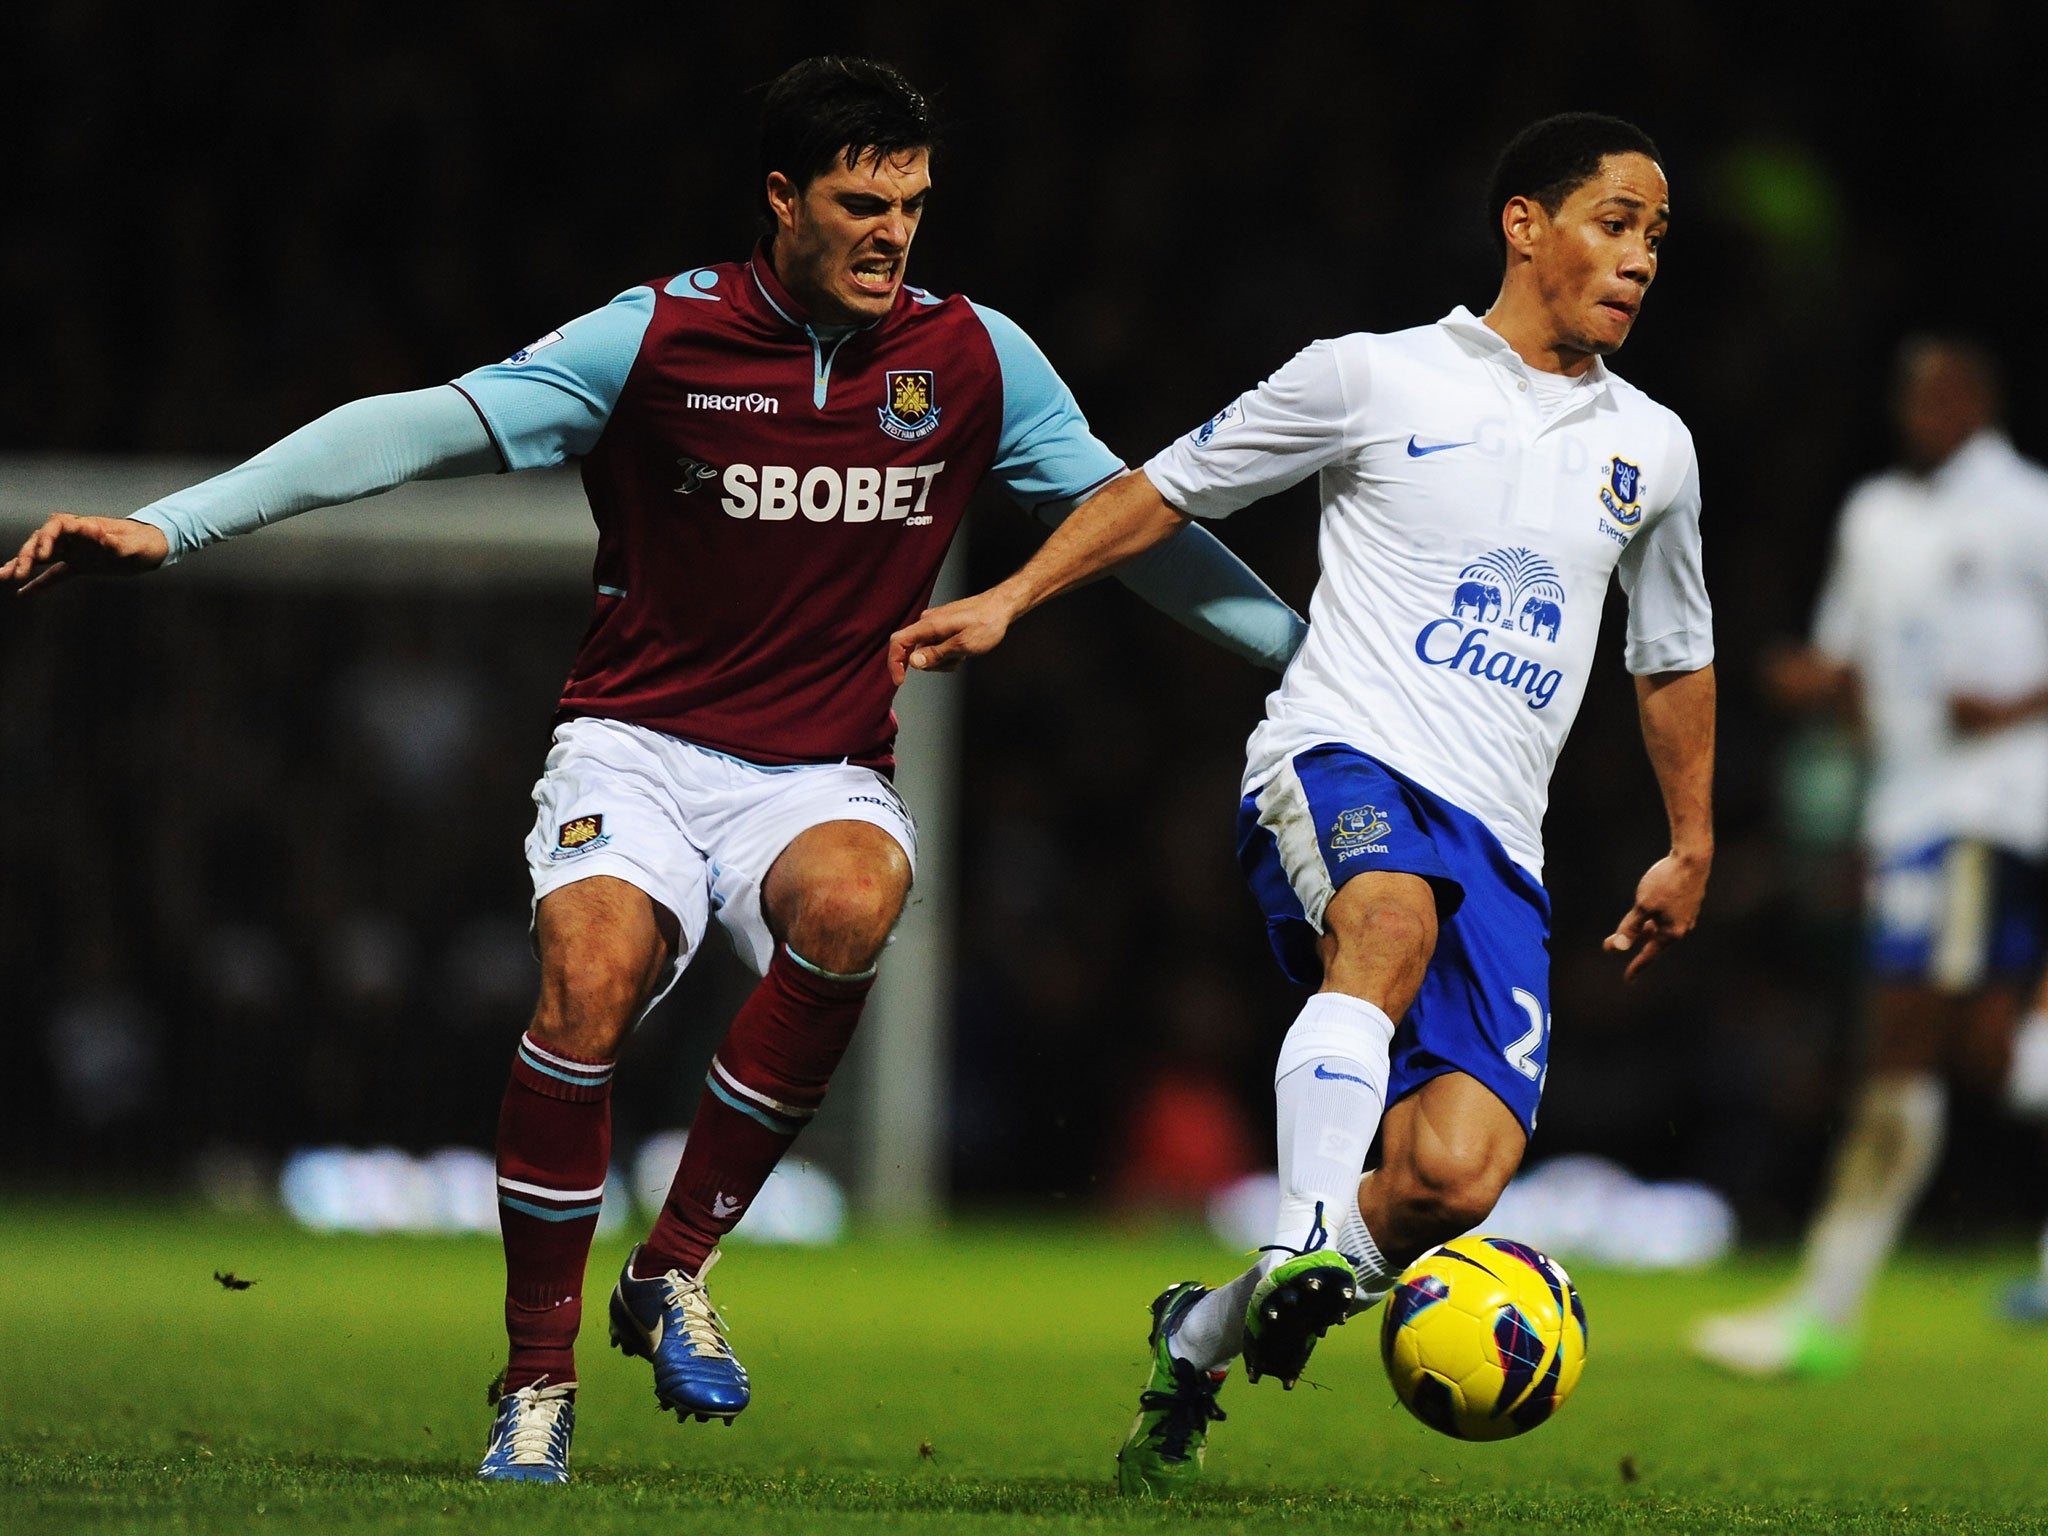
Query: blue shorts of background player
{"points": [[1333, 812], [1955, 914]]}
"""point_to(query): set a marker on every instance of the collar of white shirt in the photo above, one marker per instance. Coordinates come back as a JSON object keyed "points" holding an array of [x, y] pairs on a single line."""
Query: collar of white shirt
{"points": [[1988, 450], [1482, 340]]}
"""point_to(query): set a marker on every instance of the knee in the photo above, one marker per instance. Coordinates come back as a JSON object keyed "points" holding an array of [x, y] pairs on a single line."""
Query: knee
{"points": [[1395, 930], [1380, 950], [590, 996], [846, 910]]}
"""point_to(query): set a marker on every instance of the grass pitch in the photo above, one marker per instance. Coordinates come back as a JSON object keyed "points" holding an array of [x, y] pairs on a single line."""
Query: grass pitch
{"points": [[978, 1384]]}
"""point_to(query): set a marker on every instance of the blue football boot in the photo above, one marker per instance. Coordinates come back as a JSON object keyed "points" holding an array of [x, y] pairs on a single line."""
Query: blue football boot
{"points": [[669, 1320], [530, 1440]]}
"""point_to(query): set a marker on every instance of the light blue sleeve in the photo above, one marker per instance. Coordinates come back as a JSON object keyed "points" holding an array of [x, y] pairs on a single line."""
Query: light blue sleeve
{"points": [[549, 401], [355, 450], [1046, 452], [1047, 459]]}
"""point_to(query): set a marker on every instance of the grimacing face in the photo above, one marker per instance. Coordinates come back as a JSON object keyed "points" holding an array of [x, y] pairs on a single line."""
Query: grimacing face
{"points": [[841, 243], [1595, 258]]}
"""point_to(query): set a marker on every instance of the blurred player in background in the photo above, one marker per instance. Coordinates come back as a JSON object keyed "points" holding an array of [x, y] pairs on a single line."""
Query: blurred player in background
{"points": [[777, 452], [1481, 480], [1933, 625]]}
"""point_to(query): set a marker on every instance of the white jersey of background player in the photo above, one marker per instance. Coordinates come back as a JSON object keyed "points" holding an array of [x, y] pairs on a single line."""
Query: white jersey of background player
{"points": [[1939, 590], [1481, 482], [1934, 621]]}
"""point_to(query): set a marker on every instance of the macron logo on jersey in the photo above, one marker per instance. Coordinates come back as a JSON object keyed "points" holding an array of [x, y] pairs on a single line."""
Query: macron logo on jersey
{"points": [[758, 403], [776, 493]]}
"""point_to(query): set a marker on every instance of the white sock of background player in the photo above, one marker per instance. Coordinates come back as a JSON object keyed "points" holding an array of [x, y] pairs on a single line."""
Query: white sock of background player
{"points": [[1330, 1088], [1880, 1170]]}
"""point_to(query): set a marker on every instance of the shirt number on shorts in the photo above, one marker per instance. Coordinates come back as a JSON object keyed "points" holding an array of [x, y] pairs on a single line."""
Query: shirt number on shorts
{"points": [[1522, 1054]]}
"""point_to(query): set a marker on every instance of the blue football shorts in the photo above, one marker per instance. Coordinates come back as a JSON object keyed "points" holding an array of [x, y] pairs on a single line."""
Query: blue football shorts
{"points": [[1484, 1009], [1956, 915]]}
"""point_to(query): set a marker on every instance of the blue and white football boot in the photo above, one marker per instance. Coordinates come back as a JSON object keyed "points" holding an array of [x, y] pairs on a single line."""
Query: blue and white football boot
{"points": [[530, 1440], [669, 1320]]}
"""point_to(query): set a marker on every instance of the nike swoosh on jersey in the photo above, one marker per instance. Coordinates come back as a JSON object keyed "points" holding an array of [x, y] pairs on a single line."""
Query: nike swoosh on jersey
{"points": [[1418, 450], [1332, 1077]]}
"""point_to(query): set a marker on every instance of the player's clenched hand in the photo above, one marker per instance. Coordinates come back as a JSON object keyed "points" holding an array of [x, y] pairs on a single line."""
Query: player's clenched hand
{"points": [[67, 545], [1667, 906], [942, 638]]}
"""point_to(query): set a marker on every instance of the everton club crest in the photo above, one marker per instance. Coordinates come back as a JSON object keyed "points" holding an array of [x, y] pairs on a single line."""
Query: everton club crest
{"points": [[1622, 493], [911, 407]]}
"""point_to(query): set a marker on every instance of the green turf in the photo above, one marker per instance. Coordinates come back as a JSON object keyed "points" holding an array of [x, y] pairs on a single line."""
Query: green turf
{"points": [[980, 1384]]}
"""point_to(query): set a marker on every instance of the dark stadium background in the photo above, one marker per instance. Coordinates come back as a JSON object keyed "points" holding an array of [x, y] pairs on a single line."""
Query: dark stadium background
{"points": [[240, 908]]}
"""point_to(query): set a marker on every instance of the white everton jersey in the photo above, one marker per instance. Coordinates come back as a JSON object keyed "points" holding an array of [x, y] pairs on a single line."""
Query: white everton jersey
{"points": [[1473, 511], [1939, 587]]}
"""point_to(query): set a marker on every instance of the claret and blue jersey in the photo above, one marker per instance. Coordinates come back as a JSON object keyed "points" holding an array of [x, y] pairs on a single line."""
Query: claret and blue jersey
{"points": [[774, 496]]}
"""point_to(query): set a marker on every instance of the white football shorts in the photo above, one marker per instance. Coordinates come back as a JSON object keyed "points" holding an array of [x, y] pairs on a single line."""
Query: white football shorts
{"points": [[695, 829]]}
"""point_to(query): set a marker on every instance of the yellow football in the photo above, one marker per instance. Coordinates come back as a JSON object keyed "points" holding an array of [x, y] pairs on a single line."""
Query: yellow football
{"points": [[1483, 1338]]}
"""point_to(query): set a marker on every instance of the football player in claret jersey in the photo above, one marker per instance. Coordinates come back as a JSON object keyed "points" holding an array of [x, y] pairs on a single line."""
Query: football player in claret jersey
{"points": [[1481, 480], [1933, 629], [776, 452]]}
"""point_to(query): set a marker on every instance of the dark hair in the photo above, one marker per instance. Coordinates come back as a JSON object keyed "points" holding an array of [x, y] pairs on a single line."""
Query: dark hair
{"points": [[1549, 160], [1978, 362], [834, 107]]}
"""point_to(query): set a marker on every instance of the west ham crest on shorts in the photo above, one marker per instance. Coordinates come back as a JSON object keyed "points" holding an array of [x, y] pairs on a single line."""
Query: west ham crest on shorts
{"points": [[912, 408], [1621, 492], [575, 836]]}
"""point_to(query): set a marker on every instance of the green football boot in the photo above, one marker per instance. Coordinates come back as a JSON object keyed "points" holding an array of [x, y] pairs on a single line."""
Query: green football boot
{"points": [[1163, 1453], [1778, 1340], [1300, 1300]]}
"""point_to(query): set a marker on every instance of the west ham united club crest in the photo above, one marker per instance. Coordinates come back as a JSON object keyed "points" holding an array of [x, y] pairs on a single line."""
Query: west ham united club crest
{"points": [[911, 410], [576, 836], [1622, 493]]}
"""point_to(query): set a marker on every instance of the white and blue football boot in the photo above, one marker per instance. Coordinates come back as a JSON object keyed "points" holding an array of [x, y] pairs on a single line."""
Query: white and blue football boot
{"points": [[668, 1319], [530, 1440]]}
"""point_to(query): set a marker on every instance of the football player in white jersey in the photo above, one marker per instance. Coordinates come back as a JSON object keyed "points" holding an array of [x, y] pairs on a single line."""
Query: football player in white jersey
{"points": [[1481, 480], [1933, 626]]}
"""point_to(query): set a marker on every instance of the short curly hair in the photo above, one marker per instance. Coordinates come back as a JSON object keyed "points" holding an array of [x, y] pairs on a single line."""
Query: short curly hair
{"points": [[1551, 159]]}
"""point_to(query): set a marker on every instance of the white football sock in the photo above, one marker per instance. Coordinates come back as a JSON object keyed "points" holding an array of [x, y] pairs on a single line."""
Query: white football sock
{"points": [[1350, 1238], [2026, 1080], [1882, 1166], [1212, 1334], [1330, 1088]]}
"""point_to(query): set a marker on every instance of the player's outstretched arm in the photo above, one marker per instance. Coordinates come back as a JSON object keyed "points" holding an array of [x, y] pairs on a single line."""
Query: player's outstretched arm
{"points": [[67, 545], [1677, 711], [360, 449], [1124, 519]]}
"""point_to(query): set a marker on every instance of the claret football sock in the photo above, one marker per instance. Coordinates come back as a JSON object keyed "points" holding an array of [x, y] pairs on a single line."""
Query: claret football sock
{"points": [[1882, 1166], [1329, 1087], [766, 1081], [554, 1146]]}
